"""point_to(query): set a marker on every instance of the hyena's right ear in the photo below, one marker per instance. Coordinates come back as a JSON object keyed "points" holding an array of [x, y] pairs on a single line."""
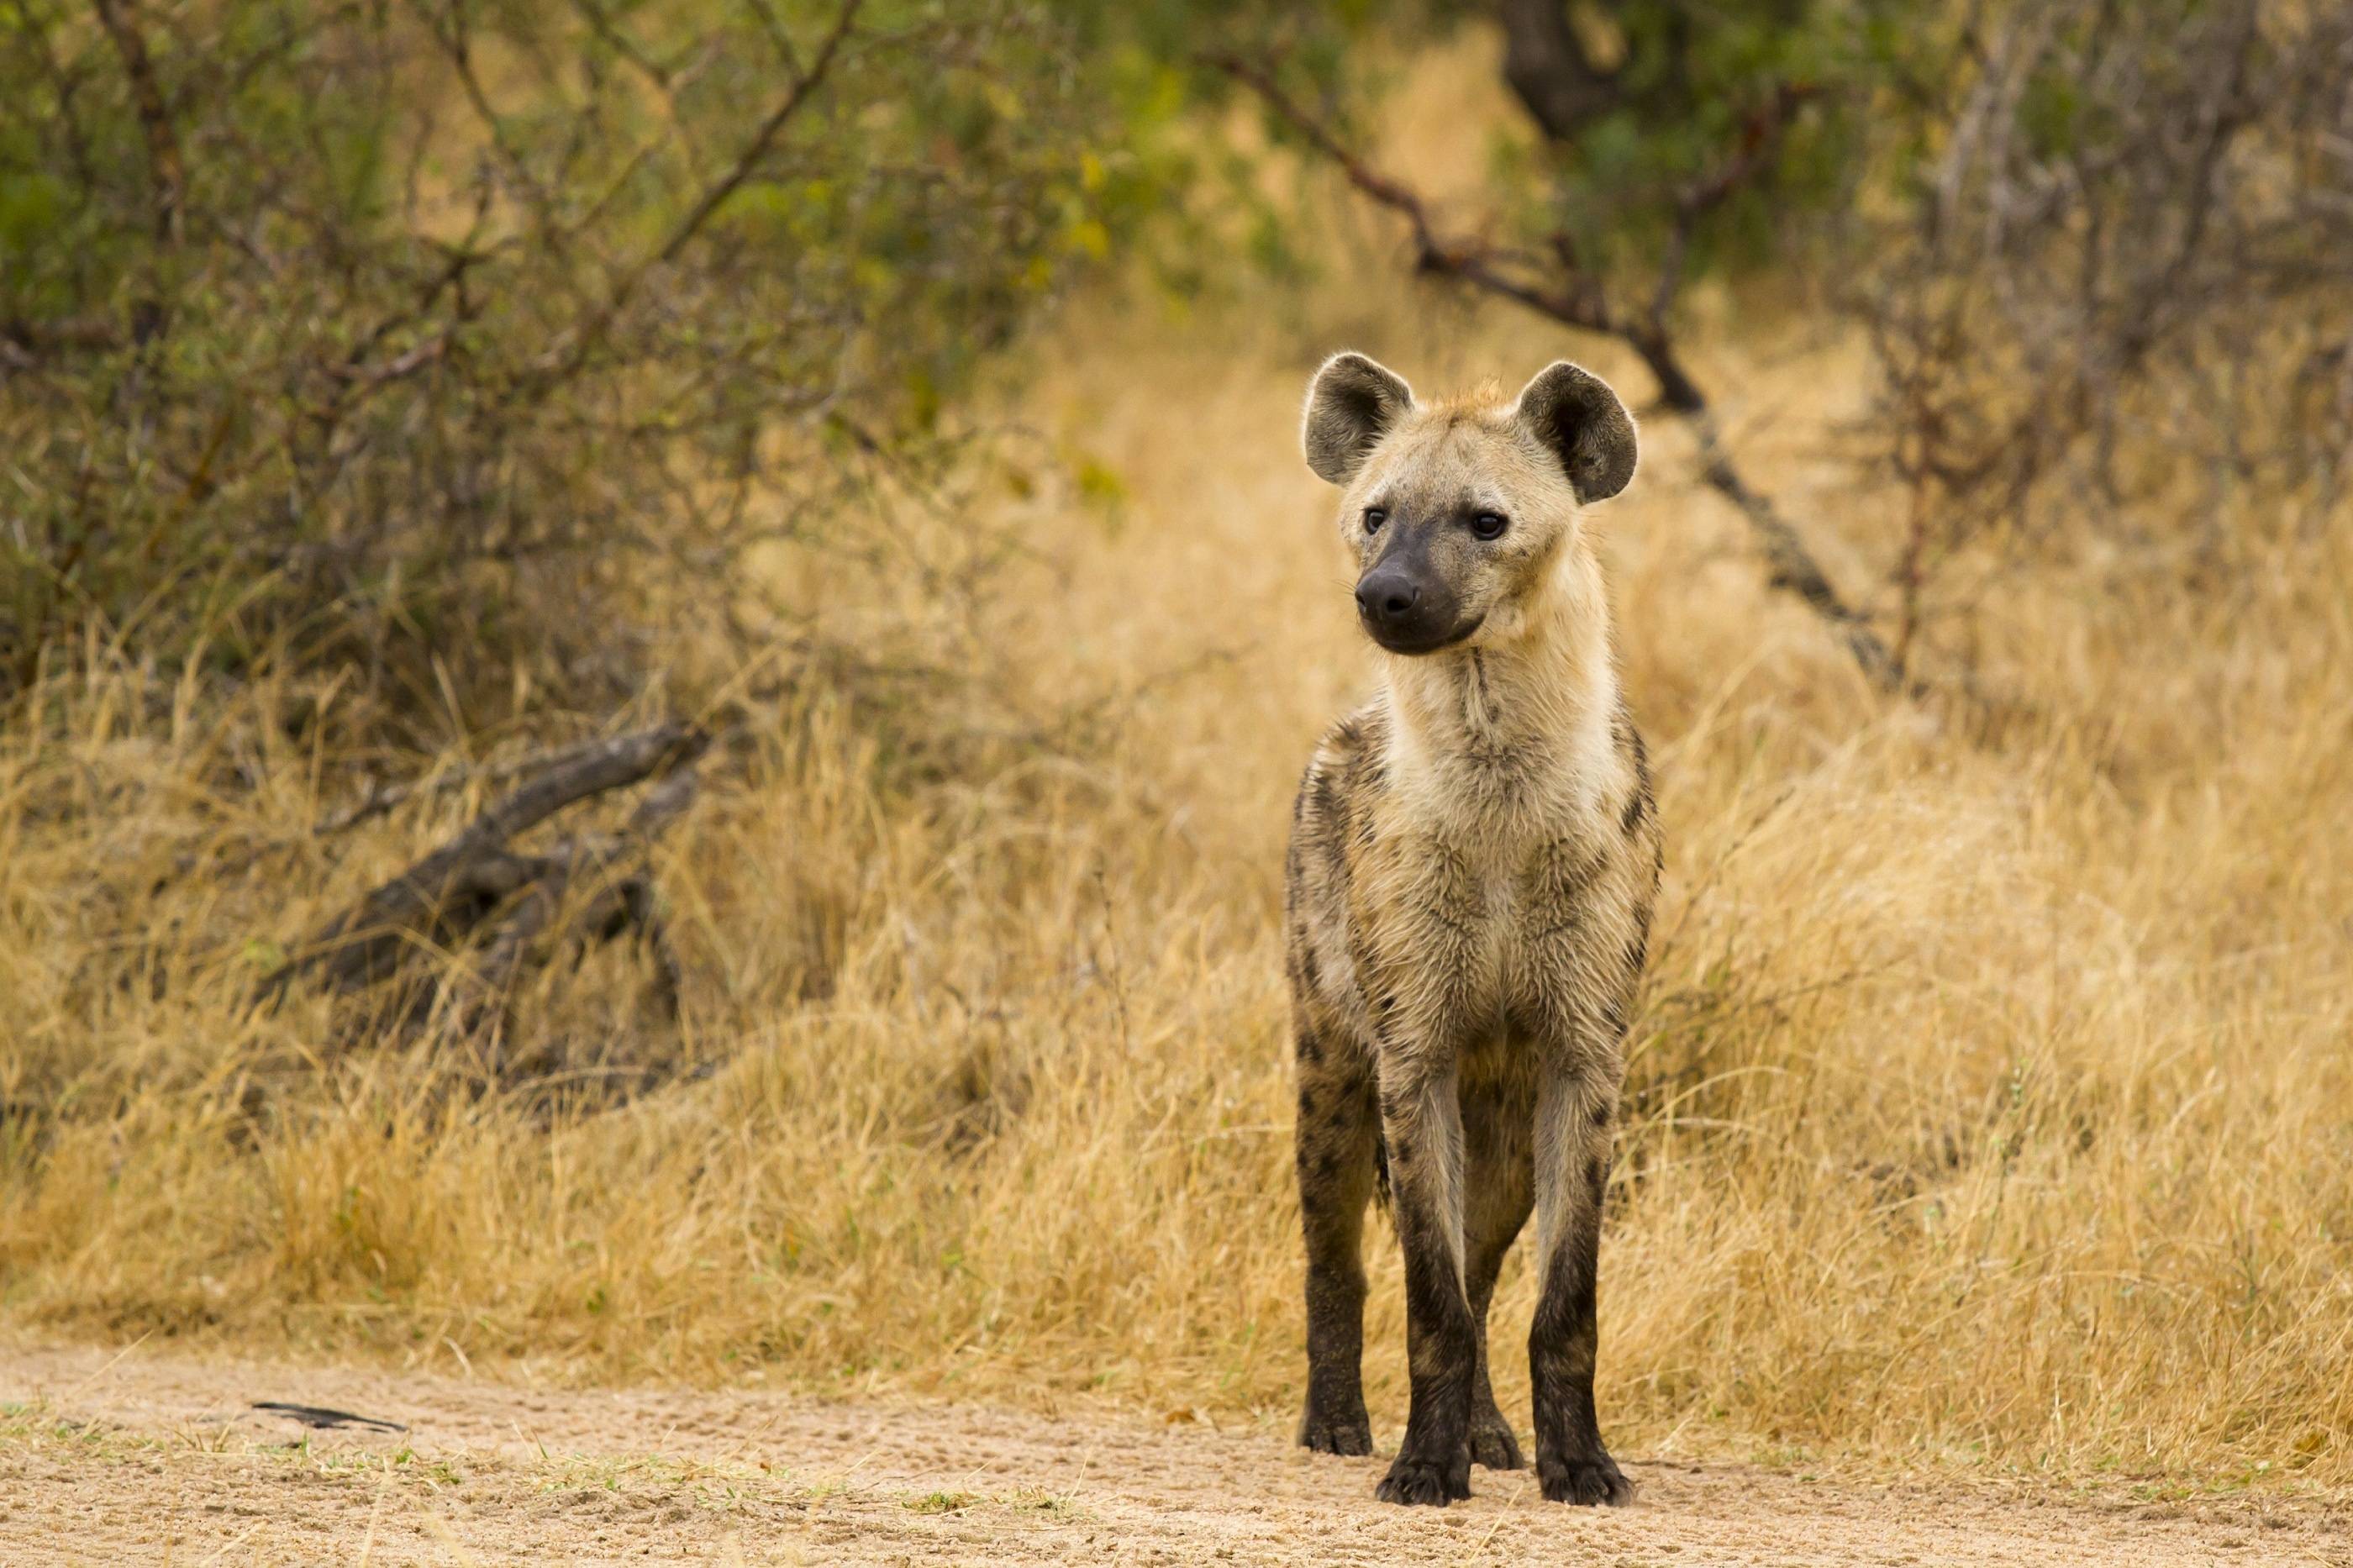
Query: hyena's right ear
{"points": [[1351, 404]]}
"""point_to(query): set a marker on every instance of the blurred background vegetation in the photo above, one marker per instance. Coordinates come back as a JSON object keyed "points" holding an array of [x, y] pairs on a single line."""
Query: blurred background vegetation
{"points": [[408, 340], [884, 408], [413, 341]]}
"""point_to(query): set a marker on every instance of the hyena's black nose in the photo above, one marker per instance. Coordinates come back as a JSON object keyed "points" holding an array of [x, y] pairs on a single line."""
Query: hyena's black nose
{"points": [[1385, 598]]}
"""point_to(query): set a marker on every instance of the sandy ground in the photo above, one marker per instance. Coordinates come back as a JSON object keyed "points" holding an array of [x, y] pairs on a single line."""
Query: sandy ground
{"points": [[143, 1457]]}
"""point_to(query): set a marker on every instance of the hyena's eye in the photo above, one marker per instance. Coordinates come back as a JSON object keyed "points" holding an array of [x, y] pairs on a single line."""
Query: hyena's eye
{"points": [[1489, 524], [1374, 517]]}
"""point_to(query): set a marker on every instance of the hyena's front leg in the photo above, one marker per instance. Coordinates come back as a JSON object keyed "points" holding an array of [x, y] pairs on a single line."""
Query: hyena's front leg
{"points": [[1574, 1107], [1335, 1181], [1421, 1124]]}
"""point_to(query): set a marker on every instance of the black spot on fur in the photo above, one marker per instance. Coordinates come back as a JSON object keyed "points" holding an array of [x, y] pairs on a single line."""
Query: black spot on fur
{"points": [[1597, 1173], [1602, 1114], [1310, 1050], [1637, 805], [1328, 799]]}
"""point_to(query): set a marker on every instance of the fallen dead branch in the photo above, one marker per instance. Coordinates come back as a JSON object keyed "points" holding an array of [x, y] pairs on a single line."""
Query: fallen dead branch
{"points": [[383, 796], [476, 891]]}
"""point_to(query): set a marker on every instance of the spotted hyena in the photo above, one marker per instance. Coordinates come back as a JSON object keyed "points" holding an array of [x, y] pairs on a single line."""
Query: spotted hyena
{"points": [[1473, 858]]}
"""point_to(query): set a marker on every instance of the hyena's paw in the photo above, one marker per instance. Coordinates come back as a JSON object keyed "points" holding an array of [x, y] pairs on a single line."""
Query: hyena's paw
{"points": [[1491, 1443], [1413, 1480], [1336, 1431], [1589, 1481]]}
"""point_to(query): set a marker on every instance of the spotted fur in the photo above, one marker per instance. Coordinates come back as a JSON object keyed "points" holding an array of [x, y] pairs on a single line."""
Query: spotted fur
{"points": [[1474, 855]]}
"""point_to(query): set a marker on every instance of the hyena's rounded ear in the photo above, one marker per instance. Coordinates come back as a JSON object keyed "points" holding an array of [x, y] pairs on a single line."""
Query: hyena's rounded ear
{"points": [[1582, 422], [1351, 404]]}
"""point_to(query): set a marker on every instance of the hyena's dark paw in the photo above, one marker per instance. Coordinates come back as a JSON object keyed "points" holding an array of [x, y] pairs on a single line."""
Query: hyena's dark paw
{"points": [[1345, 1432], [1587, 1481], [1413, 1480], [1492, 1445]]}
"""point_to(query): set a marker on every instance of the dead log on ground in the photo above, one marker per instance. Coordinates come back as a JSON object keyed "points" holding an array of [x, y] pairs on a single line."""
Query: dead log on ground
{"points": [[477, 891]]}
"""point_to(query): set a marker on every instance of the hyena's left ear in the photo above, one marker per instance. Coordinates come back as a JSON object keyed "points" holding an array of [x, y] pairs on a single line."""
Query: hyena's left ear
{"points": [[1582, 422]]}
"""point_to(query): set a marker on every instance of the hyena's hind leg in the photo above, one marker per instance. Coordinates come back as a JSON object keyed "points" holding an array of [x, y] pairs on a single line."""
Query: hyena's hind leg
{"points": [[1500, 1193], [1338, 1121]]}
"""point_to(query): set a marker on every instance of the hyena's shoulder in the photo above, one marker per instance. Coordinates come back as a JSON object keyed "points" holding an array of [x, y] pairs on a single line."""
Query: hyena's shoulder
{"points": [[1338, 791], [1637, 813], [1329, 823]]}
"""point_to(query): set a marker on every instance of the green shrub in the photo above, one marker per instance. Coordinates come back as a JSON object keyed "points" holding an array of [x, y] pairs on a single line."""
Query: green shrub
{"points": [[411, 338]]}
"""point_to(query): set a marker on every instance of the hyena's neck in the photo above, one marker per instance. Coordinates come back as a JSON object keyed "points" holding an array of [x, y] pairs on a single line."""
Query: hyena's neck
{"points": [[1519, 722]]}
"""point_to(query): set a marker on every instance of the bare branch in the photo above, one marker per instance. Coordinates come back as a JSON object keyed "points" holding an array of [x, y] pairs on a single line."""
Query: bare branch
{"points": [[1546, 66], [474, 999], [1470, 261], [76, 334], [459, 883], [746, 162], [1792, 565], [399, 367], [764, 138], [601, 24], [1761, 136], [381, 798], [154, 118], [1577, 300]]}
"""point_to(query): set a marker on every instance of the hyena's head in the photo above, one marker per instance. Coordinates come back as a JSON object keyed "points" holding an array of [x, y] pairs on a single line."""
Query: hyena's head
{"points": [[1459, 512]]}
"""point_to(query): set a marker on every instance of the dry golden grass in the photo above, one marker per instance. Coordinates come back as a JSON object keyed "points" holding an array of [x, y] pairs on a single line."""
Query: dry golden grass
{"points": [[1992, 1096]]}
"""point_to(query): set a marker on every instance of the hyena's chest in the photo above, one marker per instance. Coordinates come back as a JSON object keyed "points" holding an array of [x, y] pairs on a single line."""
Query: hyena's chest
{"points": [[1485, 921]]}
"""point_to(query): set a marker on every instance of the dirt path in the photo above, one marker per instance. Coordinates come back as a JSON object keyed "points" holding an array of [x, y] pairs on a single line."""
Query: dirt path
{"points": [[144, 1458]]}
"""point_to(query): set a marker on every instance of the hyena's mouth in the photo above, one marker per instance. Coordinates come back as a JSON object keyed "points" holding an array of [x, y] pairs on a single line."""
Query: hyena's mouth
{"points": [[1415, 646]]}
